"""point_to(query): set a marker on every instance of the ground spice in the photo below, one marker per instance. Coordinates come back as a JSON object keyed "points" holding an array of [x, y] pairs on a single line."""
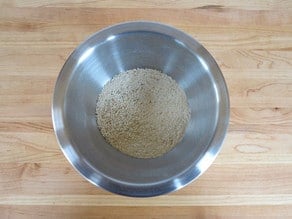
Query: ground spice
{"points": [[142, 113]]}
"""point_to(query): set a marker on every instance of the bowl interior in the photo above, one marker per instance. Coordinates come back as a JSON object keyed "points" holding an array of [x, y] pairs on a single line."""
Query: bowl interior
{"points": [[96, 62]]}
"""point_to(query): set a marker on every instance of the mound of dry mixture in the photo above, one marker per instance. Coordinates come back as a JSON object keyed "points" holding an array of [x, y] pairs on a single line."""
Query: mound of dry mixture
{"points": [[142, 113]]}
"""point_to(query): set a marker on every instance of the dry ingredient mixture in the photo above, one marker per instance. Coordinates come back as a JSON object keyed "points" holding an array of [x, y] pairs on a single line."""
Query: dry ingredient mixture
{"points": [[142, 113]]}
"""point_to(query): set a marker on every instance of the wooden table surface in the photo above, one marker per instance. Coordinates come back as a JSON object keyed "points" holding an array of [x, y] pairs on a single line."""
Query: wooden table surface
{"points": [[250, 40]]}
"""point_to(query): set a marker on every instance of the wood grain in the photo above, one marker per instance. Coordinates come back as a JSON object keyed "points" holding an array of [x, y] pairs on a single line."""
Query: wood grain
{"points": [[34, 179], [36, 212], [110, 200], [251, 42], [207, 4]]}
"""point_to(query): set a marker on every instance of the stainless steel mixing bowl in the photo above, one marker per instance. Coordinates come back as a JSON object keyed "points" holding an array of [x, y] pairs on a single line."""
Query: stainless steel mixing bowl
{"points": [[139, 45]]}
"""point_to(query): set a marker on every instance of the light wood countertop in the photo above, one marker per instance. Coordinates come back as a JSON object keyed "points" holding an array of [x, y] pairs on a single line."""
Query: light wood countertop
{"points": [[250, 40]]}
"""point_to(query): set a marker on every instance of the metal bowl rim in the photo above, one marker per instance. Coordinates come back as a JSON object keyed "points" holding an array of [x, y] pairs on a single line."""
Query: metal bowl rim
{"points": [[154, 189]]}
